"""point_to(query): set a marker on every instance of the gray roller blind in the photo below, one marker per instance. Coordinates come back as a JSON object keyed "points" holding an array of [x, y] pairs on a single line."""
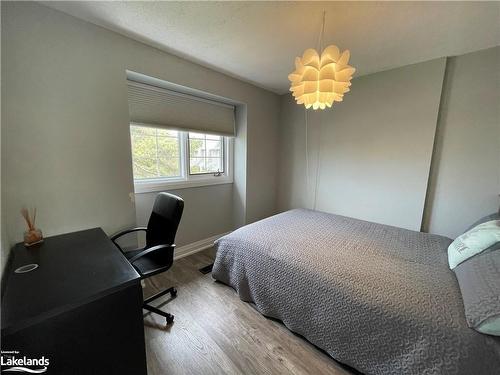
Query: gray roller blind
{"points": [[149, 105]]}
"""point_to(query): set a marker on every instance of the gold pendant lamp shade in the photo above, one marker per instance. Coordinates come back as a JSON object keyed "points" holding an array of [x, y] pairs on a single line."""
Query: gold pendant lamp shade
{"points": [[318, 81]]}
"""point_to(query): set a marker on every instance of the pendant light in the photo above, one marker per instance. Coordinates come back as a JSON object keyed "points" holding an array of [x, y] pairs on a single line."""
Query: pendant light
{"points": [[321, 79]]}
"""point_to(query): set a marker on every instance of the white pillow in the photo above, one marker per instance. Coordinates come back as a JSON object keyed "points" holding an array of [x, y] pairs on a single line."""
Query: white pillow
{"points": [[478, 239]]}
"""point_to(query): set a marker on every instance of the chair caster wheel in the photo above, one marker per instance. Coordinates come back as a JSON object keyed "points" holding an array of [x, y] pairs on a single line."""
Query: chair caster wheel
{"points": [[169, 319], [173, 293]]}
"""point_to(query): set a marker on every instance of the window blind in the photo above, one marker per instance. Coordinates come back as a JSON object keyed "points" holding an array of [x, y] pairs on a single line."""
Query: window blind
{"points": [[150, 105]]}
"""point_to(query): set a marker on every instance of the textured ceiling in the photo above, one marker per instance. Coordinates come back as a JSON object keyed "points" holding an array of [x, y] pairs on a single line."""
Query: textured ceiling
{"points": [[258, 41]]}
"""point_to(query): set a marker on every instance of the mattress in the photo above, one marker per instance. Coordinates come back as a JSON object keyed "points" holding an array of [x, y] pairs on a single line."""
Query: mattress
{"points": [[378, 298]]}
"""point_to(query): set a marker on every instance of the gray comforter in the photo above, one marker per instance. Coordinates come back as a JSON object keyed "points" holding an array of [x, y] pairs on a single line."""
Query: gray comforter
{"points": [[377, 298]]}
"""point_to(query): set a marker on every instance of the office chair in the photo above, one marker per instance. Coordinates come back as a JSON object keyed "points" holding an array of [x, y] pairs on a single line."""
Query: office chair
{"points": [[158, 255]]}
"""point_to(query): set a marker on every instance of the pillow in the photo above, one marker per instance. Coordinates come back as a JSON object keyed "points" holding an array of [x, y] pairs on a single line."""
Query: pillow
{"points": [[479, 280], [483, 237], [495, 216]]}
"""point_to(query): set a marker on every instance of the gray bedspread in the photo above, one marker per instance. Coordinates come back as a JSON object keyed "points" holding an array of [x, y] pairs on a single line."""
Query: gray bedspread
{"points": [[377, 298]]}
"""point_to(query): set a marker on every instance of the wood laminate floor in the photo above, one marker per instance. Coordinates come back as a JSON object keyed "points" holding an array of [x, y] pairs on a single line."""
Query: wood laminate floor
{"points": [[216, 333]]}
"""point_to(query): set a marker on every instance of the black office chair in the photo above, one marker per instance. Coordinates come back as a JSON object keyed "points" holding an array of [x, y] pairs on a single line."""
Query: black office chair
{"points": [[158, 255]]}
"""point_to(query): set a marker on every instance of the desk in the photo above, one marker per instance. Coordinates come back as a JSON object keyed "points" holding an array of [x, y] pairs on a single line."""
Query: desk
{"points": [[81, 308]]}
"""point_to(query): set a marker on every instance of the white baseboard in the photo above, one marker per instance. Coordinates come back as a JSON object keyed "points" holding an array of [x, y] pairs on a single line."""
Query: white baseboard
{"points": [[194, 247]]}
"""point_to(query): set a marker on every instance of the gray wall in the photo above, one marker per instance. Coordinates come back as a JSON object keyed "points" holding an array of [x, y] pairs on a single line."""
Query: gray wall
{"points": [[240, 167], [208, 211], [376, 147], [465, 180], [65, 130]]}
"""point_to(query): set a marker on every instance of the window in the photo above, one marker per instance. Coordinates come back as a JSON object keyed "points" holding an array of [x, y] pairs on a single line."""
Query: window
{"points": [[155, 153], [206, 154], [170, 159]]}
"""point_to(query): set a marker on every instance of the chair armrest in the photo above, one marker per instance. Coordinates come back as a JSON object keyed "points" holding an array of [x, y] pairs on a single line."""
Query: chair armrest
{"points": [[150, 250], [126, 231]]}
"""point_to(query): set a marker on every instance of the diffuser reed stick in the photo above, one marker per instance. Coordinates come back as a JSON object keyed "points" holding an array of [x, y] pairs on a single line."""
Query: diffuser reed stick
{"points": [[32, 235]]}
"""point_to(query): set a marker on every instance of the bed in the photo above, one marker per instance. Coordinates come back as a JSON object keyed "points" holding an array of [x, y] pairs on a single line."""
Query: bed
{"points": [[378, 298]]}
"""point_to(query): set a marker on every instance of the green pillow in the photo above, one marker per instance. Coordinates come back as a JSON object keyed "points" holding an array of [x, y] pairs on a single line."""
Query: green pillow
{"points": [[482, 237], [491, 326]]}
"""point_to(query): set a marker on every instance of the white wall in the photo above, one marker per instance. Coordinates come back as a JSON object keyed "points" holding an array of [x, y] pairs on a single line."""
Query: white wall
{"points": [[375, 147], [65, 137], [465, 183]]}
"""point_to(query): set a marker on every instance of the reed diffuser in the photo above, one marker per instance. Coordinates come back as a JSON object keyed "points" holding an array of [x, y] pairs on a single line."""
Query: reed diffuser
{"points": [[33, 235]]}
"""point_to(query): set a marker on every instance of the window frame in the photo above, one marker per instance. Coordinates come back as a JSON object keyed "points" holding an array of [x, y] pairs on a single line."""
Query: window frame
{"points": [[223, 150], [187, 180]]}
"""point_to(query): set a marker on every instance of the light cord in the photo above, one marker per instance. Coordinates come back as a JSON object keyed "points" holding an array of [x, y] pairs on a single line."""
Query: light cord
{"points": [[318, 165], [322, 32], [321, 35], [317, 177], [307, 153]]}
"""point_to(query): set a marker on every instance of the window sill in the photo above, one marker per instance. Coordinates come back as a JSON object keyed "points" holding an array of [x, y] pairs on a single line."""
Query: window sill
{"points": [[150, 186]]}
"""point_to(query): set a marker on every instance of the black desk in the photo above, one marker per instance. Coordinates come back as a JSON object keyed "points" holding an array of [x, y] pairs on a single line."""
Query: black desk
{"points": [[81, 308]]}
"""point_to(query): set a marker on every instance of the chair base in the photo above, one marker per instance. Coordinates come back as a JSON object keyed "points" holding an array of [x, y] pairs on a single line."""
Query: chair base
{"points": [[146, 304]]}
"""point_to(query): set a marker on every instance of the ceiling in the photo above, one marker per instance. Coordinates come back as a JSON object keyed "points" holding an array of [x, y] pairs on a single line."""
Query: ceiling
{"points": [[258, 41]]}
